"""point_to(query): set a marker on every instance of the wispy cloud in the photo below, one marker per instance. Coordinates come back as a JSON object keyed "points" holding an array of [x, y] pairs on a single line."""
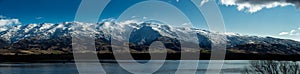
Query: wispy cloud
{"points": [[203, 2], [294, 32], [283, 33], [4, 22], [257, 5], [8, 21], [39, 18]]}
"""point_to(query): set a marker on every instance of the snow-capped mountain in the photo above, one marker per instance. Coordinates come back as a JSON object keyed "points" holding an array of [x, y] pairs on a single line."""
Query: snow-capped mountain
{"points": [[138, 33]]}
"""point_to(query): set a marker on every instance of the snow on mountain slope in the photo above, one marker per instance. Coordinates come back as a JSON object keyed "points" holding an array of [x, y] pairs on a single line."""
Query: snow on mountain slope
{"points": [[136, 32]]}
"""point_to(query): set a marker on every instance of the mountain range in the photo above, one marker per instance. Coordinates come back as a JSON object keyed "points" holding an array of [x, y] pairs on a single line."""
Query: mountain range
{"points": [[58, 38]]}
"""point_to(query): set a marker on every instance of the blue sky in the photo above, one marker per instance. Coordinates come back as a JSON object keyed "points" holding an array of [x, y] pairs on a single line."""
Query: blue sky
{"points": [[281, 21]]}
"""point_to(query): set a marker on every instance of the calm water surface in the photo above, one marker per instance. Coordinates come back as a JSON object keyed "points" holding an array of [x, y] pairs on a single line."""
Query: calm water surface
{"points": [[111, 67]]}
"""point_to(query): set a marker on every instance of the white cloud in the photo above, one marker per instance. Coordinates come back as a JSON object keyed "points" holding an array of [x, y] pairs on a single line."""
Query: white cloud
{"points": [[4, 22], [145, 18], [133, 16], [295, 32], [257, 5], [39, 18], [203, 2], [283, 33]]}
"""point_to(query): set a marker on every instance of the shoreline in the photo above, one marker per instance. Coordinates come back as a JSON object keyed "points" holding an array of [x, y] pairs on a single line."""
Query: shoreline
{"points": [[69, 58]]}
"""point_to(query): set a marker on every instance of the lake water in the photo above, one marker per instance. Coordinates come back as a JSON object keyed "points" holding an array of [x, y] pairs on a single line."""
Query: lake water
{"points": [[169, 67]]}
